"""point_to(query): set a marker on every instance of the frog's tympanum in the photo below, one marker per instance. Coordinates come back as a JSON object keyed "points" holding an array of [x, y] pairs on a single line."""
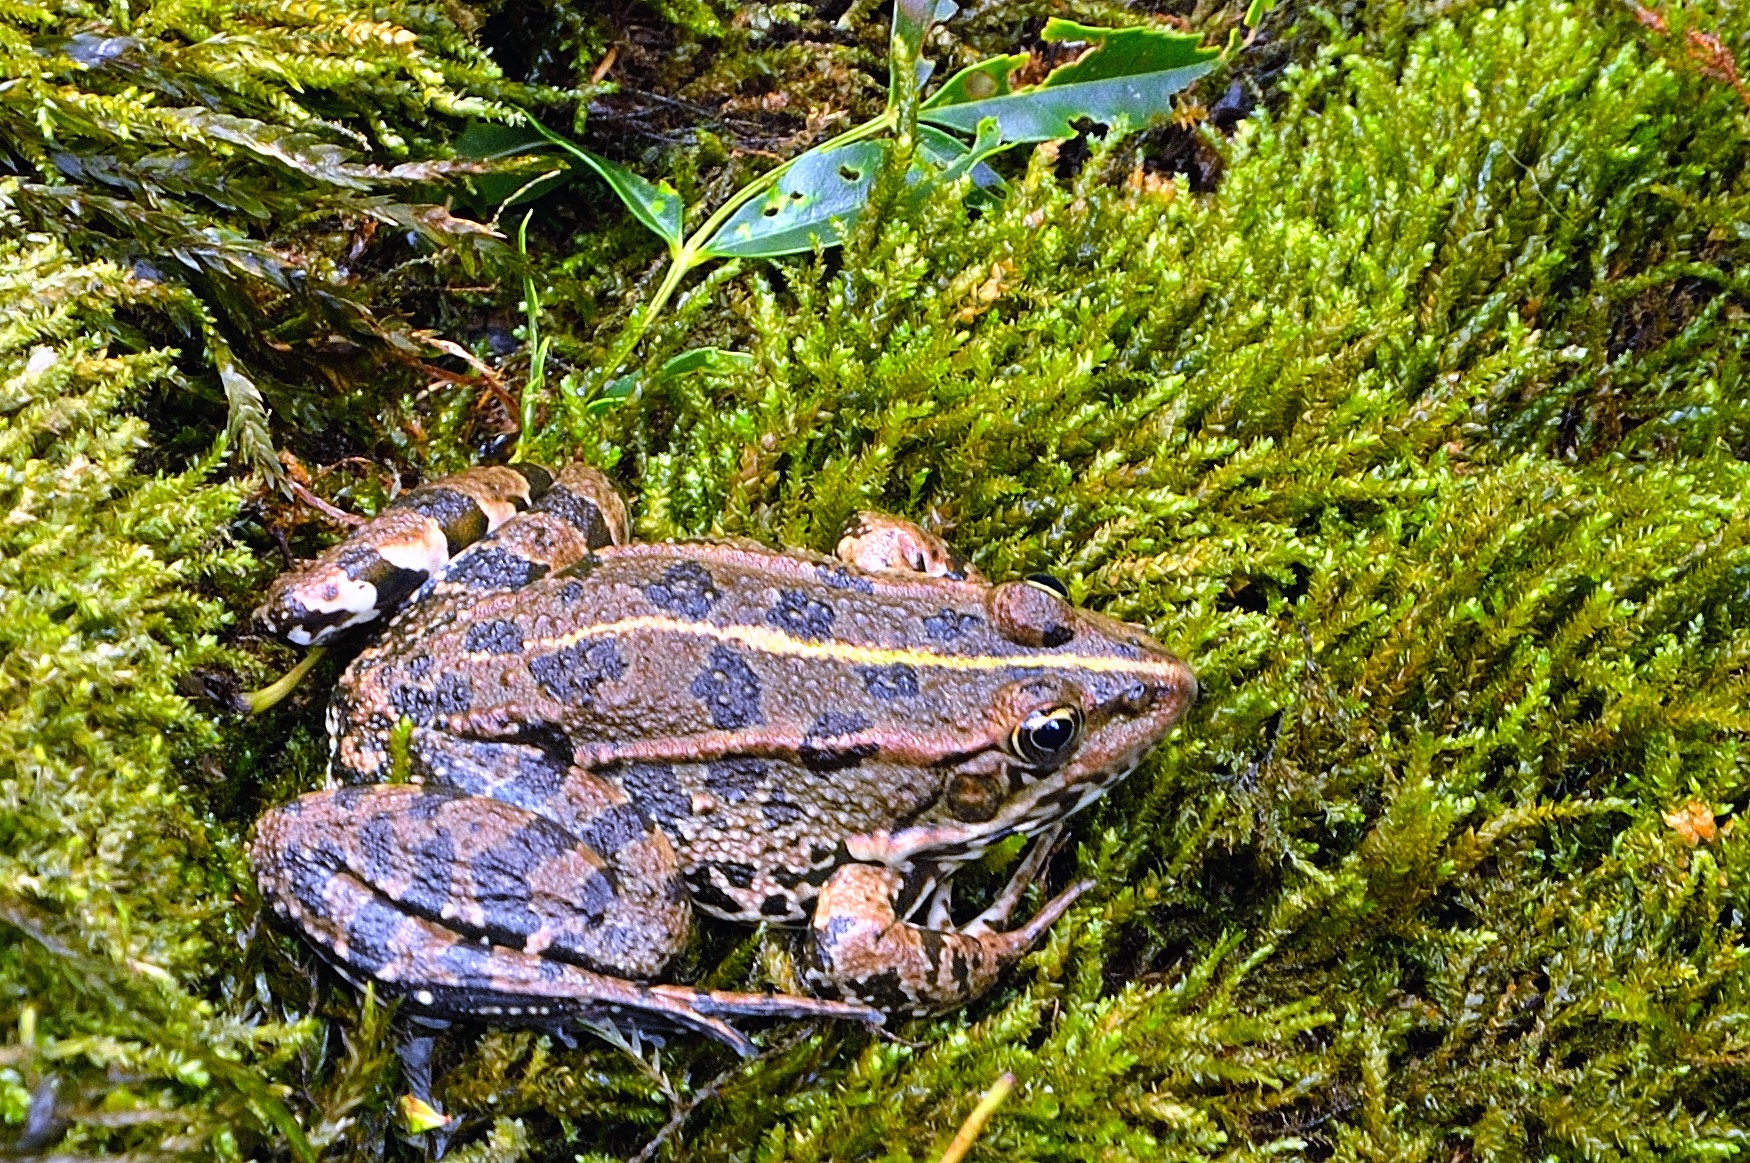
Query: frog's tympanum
{"points": [[564, 744]]}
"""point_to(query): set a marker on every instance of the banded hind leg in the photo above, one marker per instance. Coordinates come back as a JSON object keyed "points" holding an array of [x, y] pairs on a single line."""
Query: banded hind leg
{"points": [[515, 889], [430, 530]]}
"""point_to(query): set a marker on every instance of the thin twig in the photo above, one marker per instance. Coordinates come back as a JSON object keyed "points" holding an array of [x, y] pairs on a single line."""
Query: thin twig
{"points": [[338, 516], [987, 1106]]}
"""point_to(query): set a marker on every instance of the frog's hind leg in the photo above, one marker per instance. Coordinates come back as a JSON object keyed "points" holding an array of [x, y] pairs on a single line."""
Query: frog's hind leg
{"points": [[579, 513], [881, 543], [472, 907], [369, 575]]}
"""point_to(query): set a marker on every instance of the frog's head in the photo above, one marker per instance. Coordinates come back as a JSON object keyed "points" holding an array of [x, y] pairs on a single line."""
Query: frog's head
{"points": [[1076, 700]]}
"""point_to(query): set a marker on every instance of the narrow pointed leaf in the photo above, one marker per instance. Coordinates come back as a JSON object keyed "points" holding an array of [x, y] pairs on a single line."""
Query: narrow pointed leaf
{"points": [[816, 202], [1131, 73], [656, 205], [704, 359]]}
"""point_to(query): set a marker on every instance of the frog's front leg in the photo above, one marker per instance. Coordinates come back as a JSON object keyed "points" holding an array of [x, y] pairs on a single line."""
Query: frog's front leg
{"points": [[862, 951], [473, 907]]}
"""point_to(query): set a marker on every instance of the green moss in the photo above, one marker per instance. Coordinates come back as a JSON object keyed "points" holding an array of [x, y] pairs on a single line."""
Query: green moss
{"points": [[1422, 436]]}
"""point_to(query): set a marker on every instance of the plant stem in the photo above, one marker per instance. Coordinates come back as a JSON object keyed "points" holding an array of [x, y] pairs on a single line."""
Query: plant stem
{"points": [[969, 1130], [258, 701], [695, 253]]}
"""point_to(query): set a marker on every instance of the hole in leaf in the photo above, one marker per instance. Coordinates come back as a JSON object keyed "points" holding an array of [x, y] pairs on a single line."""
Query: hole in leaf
{"points": [[797, 195], [771, 211], [850, 175]]}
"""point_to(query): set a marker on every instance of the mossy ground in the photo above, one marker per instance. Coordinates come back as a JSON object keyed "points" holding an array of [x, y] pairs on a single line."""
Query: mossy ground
{"points": [[1412, 413]]}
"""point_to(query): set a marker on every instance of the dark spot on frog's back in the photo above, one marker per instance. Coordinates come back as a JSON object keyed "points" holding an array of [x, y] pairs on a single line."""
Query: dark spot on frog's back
{"points": [[776, 905], [654, 791], [821, 748], [898, 681], [841, 578], [686, 590], [498, 636], [571, 673], [492, 568], [798, 614], [452, 695], [729, 689], [950, 625]]}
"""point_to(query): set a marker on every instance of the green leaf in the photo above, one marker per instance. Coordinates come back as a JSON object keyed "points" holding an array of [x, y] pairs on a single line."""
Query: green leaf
{"points": [[1131, 73], [704, 359], [658, 206], [816, 202]]}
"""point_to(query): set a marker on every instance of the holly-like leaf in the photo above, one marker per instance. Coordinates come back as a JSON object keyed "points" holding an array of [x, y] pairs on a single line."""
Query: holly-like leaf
{"points": [[816, 202], [1131, 73]]}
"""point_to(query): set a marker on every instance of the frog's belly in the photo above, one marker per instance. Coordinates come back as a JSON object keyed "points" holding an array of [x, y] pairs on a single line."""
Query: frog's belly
{"points": [[756, 837]]}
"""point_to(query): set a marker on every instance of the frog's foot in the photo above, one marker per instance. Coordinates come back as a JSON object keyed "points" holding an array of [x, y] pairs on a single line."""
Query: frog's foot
{"points": [[880, 543], [863, 952], [1023, 877]]}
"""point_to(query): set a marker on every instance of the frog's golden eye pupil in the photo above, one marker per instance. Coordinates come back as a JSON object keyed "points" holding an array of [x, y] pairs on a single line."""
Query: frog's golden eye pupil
{"points": [[1045, 737]]}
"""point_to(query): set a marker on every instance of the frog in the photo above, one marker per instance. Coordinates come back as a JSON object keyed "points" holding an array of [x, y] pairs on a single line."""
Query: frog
{"points": [[564, 745]]}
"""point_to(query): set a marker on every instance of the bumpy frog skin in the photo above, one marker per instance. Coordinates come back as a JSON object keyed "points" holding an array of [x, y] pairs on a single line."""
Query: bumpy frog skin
{"points": [[601, 737]]}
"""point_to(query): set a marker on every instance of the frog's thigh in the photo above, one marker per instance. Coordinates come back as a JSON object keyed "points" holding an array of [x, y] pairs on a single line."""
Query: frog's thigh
{"points": [[475, 868], [598, 813], [861, 950], [880, 543], [440, 971]]}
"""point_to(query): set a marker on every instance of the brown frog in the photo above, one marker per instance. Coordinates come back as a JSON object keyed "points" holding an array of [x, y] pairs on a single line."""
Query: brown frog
{"points": [[564, 744]]}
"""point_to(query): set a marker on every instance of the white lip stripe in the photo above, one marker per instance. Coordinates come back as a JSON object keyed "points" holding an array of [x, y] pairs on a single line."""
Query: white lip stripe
{"points": [[770, 641]]}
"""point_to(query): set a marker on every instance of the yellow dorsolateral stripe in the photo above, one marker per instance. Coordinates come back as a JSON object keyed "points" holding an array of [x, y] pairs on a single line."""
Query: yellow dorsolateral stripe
{"points": [[776, 642]]}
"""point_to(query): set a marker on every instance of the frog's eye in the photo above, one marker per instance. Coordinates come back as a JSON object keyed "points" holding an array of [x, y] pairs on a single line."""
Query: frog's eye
{"points": [[1046, 582], [1046, 737]]}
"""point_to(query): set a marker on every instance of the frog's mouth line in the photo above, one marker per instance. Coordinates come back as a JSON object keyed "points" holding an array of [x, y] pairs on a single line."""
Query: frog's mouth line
{"points": [[1105, 761], [772, 641]]}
